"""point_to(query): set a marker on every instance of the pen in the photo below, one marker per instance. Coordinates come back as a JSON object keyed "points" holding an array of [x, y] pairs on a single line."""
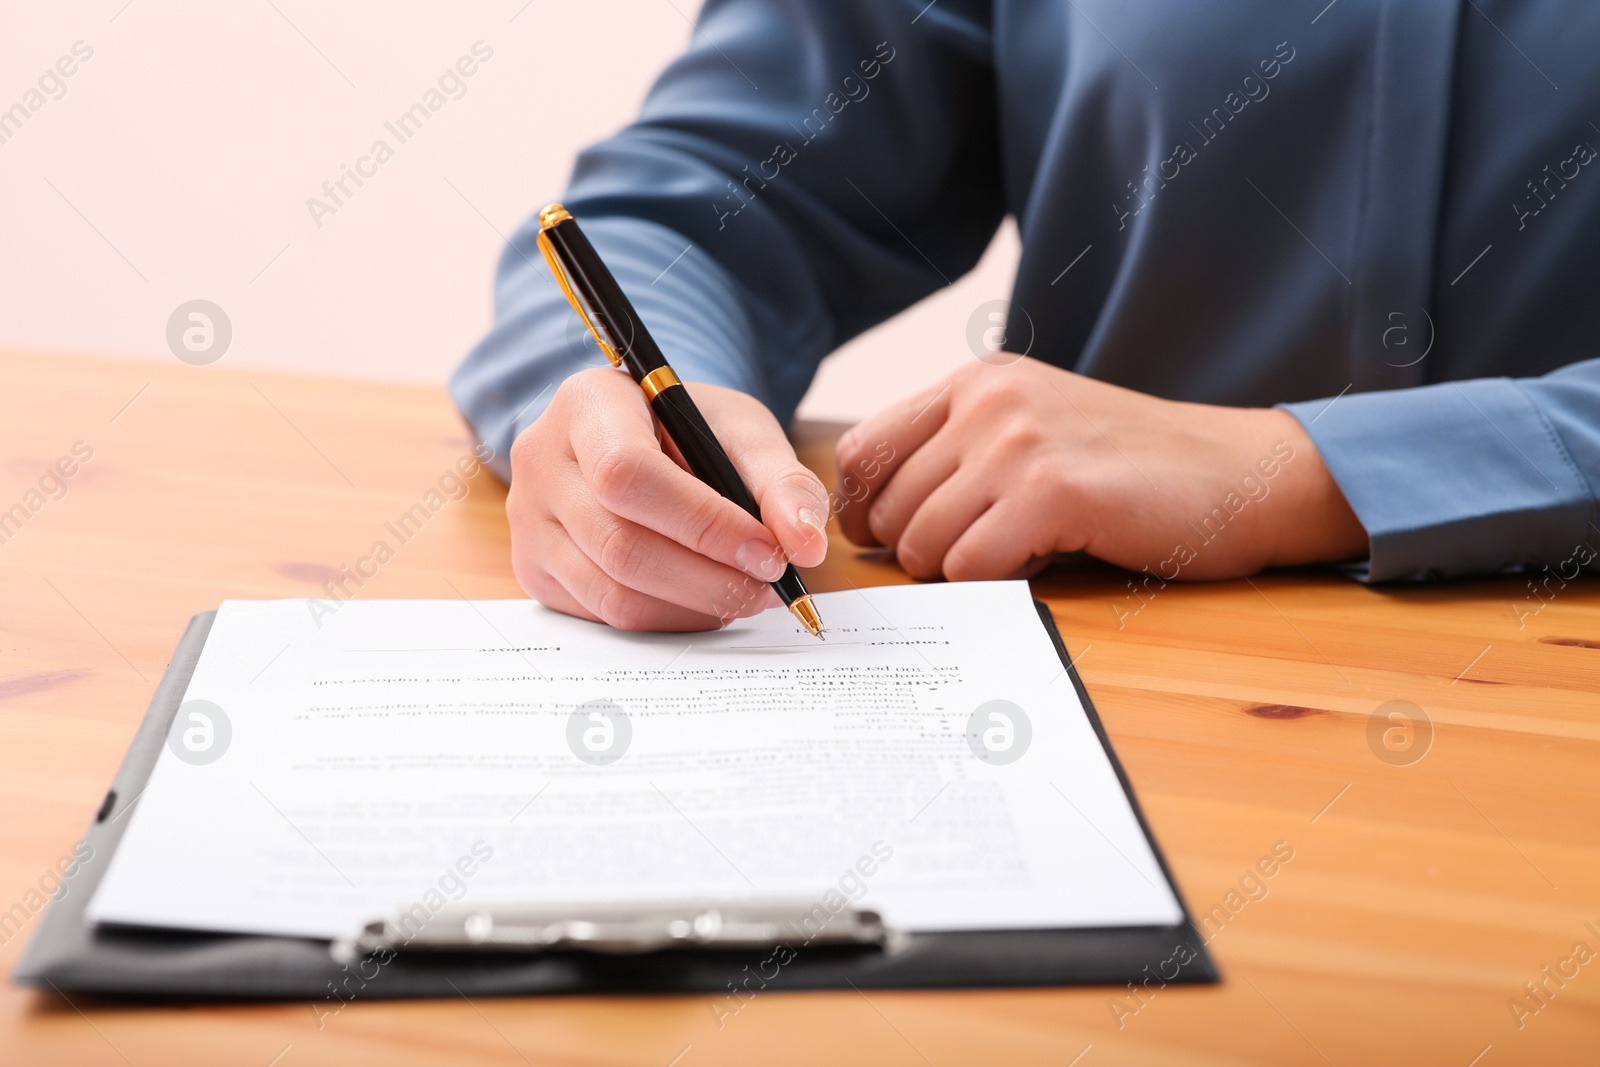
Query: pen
{"points": [[589, 286]]}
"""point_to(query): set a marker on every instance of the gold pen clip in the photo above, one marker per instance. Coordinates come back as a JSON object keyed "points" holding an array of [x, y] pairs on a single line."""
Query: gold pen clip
{"points": [[549, 217]]}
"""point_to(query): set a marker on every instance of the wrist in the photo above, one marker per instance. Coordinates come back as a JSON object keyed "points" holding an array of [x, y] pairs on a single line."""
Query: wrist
{"points": [[1313, 522]]}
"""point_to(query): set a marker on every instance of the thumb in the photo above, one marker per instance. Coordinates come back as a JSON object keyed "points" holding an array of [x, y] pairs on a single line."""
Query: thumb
{"points": [[794, 505]]}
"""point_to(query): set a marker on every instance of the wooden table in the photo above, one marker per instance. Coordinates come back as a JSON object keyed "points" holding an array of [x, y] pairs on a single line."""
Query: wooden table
{"points": [[1421, 895]]}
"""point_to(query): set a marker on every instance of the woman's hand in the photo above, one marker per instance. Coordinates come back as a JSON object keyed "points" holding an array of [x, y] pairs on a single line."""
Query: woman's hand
{"points": [[607, 525], [997, 469]]}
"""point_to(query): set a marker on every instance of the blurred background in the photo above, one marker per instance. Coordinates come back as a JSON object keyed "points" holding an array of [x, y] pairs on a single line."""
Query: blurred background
{"points": [[176, 161]]}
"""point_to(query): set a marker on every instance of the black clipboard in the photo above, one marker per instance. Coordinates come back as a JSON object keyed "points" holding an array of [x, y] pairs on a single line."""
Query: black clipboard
{"points": [[71, 955]]}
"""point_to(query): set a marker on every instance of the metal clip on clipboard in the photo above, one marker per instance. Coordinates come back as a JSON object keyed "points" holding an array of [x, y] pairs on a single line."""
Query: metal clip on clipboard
{"points": [[619, 927]]}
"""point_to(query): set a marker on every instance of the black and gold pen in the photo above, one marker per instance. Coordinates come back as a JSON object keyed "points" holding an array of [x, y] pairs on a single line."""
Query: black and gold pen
{"points": [[599, 301]]}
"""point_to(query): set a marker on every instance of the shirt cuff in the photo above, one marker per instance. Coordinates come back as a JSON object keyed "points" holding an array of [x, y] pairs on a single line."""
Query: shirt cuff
{"points": [[689, 302], [1451, 479]]}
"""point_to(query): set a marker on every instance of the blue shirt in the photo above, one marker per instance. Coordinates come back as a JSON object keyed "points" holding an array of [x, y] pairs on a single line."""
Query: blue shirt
{"points": [[1382, 214]]}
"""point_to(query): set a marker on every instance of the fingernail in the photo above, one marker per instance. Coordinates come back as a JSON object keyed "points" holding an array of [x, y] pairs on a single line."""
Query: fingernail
{"points": [[875, 516], [810, 518], [759, 558]]}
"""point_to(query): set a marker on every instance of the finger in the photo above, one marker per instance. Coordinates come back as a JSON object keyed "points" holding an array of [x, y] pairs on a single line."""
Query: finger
{"points": [[941, 520], [794, 505], [871, 452], [931, 466], [530, 521], [541, 585], [606, 599], [641, 559], [624, 467], [1006, 541]]}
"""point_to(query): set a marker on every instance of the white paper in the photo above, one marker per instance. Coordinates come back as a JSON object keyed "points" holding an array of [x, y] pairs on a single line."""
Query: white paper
{"points": [[394, 752]]}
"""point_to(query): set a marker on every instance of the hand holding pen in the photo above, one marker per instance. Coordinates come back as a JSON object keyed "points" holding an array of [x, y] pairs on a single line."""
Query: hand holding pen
{"points": [[606, 526]]}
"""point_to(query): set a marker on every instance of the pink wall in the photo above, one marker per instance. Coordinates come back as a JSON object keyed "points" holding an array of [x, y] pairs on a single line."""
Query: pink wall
{"points": [[176, 162]]}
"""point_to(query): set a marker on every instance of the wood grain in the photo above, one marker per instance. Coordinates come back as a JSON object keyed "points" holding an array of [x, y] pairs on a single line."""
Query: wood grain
{"points": [[1419, 899]]}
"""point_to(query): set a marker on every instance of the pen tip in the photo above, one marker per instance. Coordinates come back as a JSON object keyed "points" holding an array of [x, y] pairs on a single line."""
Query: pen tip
{"points": [[806, 612]]}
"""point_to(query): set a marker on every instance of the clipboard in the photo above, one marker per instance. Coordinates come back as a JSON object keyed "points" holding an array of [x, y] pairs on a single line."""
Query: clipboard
{"points": [[664, 947]]}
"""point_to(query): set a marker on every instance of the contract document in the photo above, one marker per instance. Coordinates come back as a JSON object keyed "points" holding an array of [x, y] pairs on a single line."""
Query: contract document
{"points": [[931, 760]]}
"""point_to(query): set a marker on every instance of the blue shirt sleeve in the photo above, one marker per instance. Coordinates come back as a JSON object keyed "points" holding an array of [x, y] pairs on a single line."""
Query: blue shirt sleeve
{"points": [[780, 193], [1468, 477]]}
